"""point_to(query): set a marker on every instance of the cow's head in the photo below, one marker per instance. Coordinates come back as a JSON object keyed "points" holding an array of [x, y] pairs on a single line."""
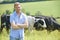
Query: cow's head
{"points": [[40, 23]]}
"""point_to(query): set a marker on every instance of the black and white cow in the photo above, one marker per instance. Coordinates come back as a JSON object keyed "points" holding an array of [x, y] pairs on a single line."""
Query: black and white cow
{"points": [[5, 22], [49, 22]]}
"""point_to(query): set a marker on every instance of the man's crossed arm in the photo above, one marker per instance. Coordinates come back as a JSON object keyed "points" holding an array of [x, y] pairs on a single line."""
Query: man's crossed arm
{"points": [[18, 26]]}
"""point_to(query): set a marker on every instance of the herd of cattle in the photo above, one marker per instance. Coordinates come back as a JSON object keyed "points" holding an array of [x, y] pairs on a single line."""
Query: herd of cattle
{"points": [[37, 22]]}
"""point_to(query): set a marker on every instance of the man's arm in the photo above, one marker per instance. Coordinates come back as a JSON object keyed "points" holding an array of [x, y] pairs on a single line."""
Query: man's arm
{"points": [[14, 26], [18, 26], [25, 25]]}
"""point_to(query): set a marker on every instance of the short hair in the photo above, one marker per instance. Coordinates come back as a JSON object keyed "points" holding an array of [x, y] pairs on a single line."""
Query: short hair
{"points": [[16, 3]]}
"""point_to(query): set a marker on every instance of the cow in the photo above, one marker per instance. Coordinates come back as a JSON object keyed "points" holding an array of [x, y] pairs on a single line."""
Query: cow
{"points": [[5, 22], [50, 22]]}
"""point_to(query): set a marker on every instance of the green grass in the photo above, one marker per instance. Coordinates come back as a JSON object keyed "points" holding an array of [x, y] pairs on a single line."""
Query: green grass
{"points": [[35, 35], [45, 7]]}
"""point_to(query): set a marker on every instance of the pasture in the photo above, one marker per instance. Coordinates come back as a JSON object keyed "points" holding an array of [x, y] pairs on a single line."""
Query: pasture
{"points": [[46, 8], [35, 35]]}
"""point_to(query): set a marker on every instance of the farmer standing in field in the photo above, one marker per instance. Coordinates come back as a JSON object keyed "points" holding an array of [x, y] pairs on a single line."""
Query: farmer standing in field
{"points": [[18, 22]]}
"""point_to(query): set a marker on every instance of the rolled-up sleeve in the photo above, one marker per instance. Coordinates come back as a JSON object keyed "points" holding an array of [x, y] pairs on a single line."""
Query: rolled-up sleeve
{"points": [[11, 18]]}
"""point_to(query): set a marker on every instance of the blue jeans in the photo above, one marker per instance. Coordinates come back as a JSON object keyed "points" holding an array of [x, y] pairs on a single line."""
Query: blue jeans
{"points": [[13, 38]]}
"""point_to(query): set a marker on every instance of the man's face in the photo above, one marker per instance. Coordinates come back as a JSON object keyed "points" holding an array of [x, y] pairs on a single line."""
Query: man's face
{"points": [[17, 7]]}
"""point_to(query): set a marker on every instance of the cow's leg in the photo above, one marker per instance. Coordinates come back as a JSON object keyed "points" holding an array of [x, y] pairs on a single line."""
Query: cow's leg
{"points": [[7, 28], [1, 29], [31, 29]]}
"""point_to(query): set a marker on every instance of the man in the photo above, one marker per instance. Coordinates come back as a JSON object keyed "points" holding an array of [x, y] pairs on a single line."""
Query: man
{"points": [[18, 22]]}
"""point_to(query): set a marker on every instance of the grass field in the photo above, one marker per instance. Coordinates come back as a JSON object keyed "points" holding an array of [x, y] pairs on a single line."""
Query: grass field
{"points": [[46, 8], [35, 35]]}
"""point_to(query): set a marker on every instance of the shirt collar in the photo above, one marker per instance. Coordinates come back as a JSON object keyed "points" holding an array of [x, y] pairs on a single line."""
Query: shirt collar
{"points": [[16, 13]]}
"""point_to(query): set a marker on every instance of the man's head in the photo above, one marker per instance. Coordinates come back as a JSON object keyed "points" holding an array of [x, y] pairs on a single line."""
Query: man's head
{"points": [[17, 6]]}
